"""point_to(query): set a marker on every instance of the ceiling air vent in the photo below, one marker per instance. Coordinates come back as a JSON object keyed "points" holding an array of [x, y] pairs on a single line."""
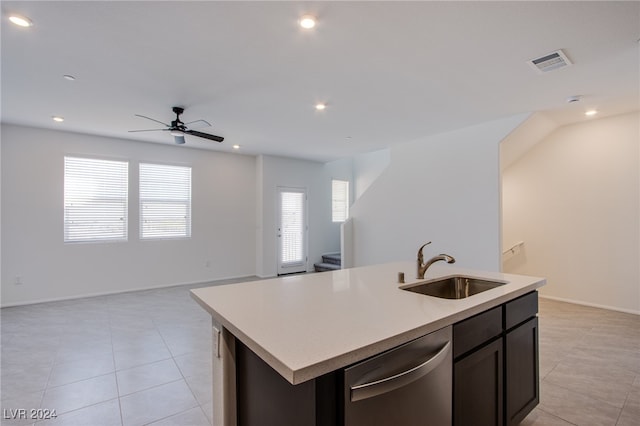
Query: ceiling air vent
{"points": [[550, 62]]}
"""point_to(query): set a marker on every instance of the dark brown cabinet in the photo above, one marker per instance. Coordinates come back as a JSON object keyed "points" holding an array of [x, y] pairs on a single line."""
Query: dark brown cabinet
{"points": [[495, 372], [478, 387], [521, 355], [265, 398]]}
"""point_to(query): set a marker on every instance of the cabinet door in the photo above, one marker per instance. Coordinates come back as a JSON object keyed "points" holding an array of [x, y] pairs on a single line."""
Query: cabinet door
{"points": [[265, 398], [477, 387], [522, 387]]}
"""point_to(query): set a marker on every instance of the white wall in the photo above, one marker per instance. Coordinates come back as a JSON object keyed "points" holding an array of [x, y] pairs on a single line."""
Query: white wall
{"points": [[367, 168], [443, 188], [323, 236], [223, 227], [574, 201]]}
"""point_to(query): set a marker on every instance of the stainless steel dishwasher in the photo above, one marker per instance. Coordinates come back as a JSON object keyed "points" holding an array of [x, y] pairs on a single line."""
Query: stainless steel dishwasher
{"points": [[409, 385]]}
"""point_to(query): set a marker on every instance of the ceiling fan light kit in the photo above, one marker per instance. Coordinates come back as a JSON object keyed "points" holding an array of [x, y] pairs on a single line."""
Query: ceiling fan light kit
{"points": [[178, 128]]}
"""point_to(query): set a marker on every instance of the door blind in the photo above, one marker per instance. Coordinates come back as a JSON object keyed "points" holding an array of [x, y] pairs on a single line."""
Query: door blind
{"points": [[292, 210]]}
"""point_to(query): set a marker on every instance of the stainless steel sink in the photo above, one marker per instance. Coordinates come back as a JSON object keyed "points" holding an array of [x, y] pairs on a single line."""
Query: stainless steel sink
{"points": [[454, 287]]}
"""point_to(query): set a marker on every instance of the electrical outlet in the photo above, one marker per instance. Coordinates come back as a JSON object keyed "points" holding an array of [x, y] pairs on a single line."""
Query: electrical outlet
{"points": [[18, 280]]}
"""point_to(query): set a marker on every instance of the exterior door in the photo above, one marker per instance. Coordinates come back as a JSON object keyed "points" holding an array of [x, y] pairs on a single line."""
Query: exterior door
{"points": [[292, 230]]}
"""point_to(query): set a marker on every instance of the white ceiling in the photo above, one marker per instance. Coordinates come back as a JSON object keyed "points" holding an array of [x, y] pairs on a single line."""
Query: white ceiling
{"points": [[389, 72]]}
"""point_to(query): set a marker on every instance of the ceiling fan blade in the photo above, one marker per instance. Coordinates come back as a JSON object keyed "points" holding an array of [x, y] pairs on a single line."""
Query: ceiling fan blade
{"points": [[152, 119], [198, 124], [179, 140], [147, 130], [205, 135]]}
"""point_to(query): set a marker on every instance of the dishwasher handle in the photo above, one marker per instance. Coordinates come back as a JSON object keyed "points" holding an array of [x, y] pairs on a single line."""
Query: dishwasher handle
{"points": [[378, 387]]}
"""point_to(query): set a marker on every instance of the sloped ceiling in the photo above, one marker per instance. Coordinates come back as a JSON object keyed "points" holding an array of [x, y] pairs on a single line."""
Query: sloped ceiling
{"points": [[526, 136], [390, 72]]}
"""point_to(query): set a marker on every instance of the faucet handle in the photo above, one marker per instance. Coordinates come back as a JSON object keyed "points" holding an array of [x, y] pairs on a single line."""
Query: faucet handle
{"points": [[422, 246], [420, 256]]}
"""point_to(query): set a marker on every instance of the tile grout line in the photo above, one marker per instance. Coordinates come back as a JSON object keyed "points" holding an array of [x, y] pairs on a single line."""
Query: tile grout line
{"points": [[78, 409], [625, 404], [176, 365], [113, 355], [588, 396], [171, 415], [151, 387], [46, 386], [556, 416]]}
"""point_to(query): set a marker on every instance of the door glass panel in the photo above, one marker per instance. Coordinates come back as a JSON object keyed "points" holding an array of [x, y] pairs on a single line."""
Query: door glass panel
{"points": [[292, 222]]}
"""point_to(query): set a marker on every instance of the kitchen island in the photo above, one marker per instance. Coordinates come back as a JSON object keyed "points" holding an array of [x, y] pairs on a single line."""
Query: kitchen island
{"points": [[307, 327]]}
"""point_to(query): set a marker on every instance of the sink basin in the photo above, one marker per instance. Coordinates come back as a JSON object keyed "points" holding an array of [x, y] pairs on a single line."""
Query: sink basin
{"points": [[454, 287]]}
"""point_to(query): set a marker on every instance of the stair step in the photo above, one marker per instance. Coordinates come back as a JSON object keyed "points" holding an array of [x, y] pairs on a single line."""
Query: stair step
{"points": [[335, 258], [321, 267]]}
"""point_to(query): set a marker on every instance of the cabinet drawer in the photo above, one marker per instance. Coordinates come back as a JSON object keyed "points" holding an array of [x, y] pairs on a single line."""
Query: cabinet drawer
{"points": [[520, 309], [476, 330]]}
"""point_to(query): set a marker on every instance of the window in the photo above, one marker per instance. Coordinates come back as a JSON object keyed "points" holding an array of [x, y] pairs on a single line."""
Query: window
{"points": [[165, 201], [339, 200], [95, 199]]}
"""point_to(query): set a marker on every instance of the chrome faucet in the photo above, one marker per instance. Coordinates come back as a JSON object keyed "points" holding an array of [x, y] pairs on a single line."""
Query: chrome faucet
{"points": [[422, 267]]}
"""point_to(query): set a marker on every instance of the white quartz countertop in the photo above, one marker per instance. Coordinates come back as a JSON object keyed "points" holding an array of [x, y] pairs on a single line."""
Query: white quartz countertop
{"points": [[307, 325]]}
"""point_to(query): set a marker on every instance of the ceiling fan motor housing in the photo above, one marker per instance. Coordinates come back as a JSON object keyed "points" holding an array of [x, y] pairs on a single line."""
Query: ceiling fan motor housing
{"points": [[177, 123]]}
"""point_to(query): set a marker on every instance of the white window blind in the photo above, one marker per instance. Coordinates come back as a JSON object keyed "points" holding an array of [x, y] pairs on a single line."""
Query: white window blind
{"points": [[292, 211], [95, 199], [165, 201], [339, 200]]}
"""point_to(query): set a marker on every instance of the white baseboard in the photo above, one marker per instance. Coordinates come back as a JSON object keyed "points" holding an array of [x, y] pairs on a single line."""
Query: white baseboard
{"points": [[264, 277], [108, 293], [592, 305]]}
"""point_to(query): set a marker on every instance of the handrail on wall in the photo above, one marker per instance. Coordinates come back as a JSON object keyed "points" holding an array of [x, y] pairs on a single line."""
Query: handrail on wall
{"points": [[513, 248]]}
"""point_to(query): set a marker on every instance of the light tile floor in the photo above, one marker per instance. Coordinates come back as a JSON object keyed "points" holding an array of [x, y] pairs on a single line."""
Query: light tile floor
{"points": [[589, 367], [144, 358], [139, 358]]}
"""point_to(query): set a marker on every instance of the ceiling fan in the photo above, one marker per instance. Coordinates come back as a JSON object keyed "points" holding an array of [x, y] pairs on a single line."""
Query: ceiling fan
{"points": [[178, 129]]}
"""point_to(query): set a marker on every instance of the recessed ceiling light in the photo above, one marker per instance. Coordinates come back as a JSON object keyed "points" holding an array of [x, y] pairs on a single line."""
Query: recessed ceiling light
{"points": [[21, 21], [57, 118], [69, 77], [307, 22], [321, 106], [236, 146], [591, 113]]}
